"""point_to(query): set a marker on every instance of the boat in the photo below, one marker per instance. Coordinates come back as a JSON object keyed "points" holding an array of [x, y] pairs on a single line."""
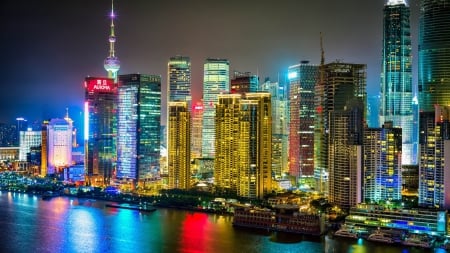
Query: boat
{"points": [[418, 240], [345, 231], [137, 207], [379, 236]]}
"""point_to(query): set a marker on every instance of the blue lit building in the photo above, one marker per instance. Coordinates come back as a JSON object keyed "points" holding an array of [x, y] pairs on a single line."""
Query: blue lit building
{"points": [[138, 131], [396, 77], [382, 176]]}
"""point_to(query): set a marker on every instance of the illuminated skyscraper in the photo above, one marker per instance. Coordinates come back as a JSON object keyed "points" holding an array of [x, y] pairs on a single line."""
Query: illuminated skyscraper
{"points": [[244, 144], [382, 163], [345, 155], [434, 54], [179, 148], [44, 149], [396, 77], [280, 134], [339, 83], [179, 79], [138, 131], [216, 80], [27, 140], [196, 133], [59, 145], [100, 130], [302, 80], [244, 82], [434, 168], [112, 63]]}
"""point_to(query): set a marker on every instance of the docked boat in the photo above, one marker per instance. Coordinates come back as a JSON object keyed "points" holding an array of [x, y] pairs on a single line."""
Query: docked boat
{"points": [[379, 236], [347, 232], [137, 207], [418, 240]]}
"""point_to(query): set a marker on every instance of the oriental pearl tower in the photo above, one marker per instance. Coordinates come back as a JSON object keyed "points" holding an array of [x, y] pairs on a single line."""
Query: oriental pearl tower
{"points": [[112, 63]]}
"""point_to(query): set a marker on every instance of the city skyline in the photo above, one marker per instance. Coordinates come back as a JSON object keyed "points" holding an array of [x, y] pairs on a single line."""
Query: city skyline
{"points": [[52, 46]]}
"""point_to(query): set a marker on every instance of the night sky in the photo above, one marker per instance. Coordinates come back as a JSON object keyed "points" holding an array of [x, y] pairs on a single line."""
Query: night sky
{"points": [[48, 47]]}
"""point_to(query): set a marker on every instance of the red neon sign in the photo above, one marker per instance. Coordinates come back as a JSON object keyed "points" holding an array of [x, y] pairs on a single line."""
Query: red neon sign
{"points": [[99, 85]]}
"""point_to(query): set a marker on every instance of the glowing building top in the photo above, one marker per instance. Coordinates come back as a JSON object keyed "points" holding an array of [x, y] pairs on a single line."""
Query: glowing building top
{"points": [[396, 2], [112, 63]]}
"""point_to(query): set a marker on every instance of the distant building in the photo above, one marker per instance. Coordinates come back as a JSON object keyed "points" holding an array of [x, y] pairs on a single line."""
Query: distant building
{"points": [[179, 148], [28, 140], [8, 135], [302, 80], [216, 80], [243, 82], [434, 168], [196, 130], [138, 131], [179, 79], [59, 144], [382, 164]]}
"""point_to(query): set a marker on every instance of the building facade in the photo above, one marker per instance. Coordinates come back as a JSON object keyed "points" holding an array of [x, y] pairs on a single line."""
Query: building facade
{"points": [[179, 148], [100, 130], [396, 77], [434, 54], [382, 164], [196, 133], [179, 79], [28, 139], [139, 123], [216, 80], [59, 145], [302, 80], [243, 82], [434, 171]]}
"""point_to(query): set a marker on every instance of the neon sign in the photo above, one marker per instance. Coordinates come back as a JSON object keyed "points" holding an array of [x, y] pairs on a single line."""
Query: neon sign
{"points": [[99, 85]]}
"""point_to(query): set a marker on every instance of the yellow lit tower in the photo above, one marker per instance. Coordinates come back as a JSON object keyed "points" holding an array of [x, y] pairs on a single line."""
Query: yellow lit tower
{"points": [[179, 145]]}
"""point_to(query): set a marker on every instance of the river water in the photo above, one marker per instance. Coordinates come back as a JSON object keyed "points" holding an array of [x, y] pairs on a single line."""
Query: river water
{"points": [[63, 224]]}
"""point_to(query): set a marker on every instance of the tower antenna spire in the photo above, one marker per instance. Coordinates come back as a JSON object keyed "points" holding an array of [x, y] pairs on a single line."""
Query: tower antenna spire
{"points": [[112, 63]]}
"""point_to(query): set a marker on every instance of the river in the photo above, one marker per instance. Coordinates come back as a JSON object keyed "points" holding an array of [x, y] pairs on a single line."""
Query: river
{"points": [[65, 224]]}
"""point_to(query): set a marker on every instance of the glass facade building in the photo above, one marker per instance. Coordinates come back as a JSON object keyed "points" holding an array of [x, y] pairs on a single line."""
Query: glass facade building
{"points": [[434, 54], [59, 146], [302, 80], [396, 77], [101, 130], [139, 123], [216, 80], [179, 79], [27, 140]]}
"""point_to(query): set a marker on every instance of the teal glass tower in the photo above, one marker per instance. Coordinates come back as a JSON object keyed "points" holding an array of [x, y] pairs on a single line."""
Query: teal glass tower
{"points": [[434, 54], [139, 123], [396, 77]]}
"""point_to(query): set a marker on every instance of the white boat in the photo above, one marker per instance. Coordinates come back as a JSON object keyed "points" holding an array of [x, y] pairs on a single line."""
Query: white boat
{"points": [[418, 240], [346, 232], [379, 236]]}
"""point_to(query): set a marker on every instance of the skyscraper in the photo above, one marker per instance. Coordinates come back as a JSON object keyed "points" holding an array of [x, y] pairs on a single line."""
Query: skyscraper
{"points": [[100, 130], [196, 133], [396, 77], [244, 82], [434, 168], [138, 131], [59, 145], [112, 63], [27, 140], [339, 83], [434, 54], [179, 79], [216, 80], [302, 79], [179, 148], [382, 163]]}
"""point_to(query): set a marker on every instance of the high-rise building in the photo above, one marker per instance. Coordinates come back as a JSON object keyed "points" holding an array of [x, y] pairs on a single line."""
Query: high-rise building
{"points": [[112, 63], [138, 127], [243, 82], [345, 154], [44, 149], [28, 139], [338, 83], [216, 80], [100, 130], [302, 80], [280, 121], [243, 144], [59, 145], [196, 133], [179, 79], [434, 168], [382, 164], [434, 54], [396, 78], [179, 147]]}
